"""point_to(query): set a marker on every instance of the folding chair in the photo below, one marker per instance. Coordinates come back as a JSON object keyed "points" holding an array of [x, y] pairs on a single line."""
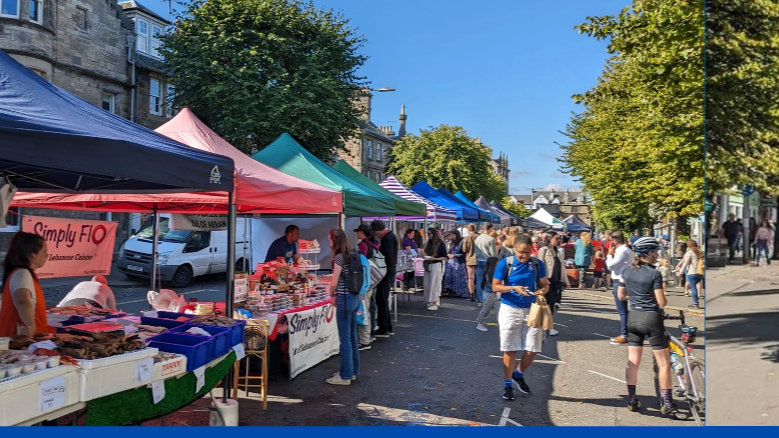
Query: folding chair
{"points": [[255, 340]]}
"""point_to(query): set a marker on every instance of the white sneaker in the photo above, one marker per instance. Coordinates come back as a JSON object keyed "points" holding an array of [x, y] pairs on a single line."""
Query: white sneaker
{"points": [[481, 327], [433, 307], [337, 380], [553, 332], [478, 304]]}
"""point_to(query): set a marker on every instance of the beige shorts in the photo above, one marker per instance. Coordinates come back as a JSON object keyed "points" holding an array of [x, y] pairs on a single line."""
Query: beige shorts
{"points": [[515, 335]]}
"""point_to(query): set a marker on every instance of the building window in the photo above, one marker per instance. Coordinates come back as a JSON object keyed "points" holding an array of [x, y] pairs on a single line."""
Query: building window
{"points": [[378, 152], [155, 97], [143, 36], [370, 149], [36, 11], [40, 73], [170, 93], [109, 102], [9, 8], [156, 33], [370, 175], [82, 18]]}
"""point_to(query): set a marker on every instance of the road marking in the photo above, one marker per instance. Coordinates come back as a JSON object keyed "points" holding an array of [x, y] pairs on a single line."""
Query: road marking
{"points": [[551, 358], [603, 336], [561, 325], [608, 377], [505, 418]]}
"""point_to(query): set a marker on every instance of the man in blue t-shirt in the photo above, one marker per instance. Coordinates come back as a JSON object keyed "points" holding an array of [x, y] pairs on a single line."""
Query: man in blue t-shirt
{"points": [[285, 246], [519, 283]]}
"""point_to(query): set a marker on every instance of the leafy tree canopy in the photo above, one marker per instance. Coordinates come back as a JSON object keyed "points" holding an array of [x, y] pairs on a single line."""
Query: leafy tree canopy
{"points": [[742, 94], [639, 141], [254, 69], [447, 157], [515, 208]]}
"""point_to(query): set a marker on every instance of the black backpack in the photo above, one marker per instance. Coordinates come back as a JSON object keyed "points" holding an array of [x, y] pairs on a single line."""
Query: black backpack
{"points": [[510, 263], [355, 278]]}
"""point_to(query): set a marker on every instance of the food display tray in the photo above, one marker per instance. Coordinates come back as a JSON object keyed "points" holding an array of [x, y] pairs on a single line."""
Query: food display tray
{"points": [[161, 322], [20, 397], [222, 336], [199, 350], [106, 376]]}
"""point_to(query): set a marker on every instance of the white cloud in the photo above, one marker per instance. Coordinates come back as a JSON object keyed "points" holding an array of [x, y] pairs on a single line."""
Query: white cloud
{"points": [[550, 187]]}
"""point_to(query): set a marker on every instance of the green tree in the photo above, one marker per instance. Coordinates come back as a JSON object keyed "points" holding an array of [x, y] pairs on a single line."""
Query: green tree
{"points": [[742, 94], [639, 140], [447, 157], [515, 208], [254, 69]]}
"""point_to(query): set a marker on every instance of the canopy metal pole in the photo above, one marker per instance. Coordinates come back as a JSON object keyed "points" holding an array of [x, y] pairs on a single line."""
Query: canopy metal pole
{"points": [[230, 291], [154, 246], [245, 232]]}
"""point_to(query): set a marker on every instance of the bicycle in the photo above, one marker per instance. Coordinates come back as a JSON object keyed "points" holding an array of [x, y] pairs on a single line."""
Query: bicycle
{"points": [[690, 373]]}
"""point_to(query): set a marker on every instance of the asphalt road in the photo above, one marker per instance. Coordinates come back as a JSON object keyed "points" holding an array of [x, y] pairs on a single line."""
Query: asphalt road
{"points": [[439, 370], [743, 348]]}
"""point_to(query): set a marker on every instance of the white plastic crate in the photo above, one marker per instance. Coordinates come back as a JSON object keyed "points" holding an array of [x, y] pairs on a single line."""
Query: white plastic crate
{"points": [[20, 398], [102, 377]]}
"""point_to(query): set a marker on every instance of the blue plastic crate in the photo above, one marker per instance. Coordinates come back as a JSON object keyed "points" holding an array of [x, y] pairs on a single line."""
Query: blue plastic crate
{"points": [[173, 315], [237, 333], [221, 336], [159, 322], [198, 349]]}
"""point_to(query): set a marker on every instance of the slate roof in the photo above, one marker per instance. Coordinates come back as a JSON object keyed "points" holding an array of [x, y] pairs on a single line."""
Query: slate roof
{"points": [[374, 131], [134, 5], [151, 63]]}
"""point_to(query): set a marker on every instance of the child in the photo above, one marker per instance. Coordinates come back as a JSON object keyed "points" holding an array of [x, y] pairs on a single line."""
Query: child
{"points": [[665, 270], [598, 270]]}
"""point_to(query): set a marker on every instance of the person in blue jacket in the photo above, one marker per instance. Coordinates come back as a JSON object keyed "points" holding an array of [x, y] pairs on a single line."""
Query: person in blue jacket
{"points": [[583, 256]]}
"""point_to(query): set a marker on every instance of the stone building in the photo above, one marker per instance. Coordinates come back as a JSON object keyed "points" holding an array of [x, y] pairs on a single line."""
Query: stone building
{"points": [[102, 51], [500, 165], [369, 151], [560, 204]]}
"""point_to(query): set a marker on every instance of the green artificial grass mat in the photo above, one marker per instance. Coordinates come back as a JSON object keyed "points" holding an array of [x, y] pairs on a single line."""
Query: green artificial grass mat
{"points": [[136, 405]]}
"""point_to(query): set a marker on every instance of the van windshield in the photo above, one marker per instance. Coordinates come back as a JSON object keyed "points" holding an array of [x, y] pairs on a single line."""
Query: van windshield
{"points": [[166, 234]]}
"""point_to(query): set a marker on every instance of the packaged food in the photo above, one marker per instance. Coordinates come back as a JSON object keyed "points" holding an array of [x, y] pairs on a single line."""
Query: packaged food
{"points": [[5, 344], [28, 367], [3, 371], [13, 370], [41, 363], [53, 361]]}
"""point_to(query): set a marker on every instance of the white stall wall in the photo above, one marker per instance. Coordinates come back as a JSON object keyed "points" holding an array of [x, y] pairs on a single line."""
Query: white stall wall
{"points": [[267, 229]]}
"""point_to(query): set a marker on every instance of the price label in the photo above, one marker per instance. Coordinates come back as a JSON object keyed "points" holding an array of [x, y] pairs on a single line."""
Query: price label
{"points": [[158, 391], [144, 369], [53, 394], [200, 373], [241, 289], [240, 352]]}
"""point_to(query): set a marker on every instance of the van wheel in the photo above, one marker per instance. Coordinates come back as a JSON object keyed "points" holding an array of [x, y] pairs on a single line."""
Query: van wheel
{"points": [[182, 277], [239, 266]]}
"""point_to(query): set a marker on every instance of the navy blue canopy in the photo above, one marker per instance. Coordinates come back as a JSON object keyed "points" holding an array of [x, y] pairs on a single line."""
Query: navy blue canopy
{"points": [[464, 213], [576, 224], [53, 141]]}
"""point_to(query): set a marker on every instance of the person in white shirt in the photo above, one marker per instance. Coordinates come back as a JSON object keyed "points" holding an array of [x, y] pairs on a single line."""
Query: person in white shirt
{"points": [[95, 293], [620, 257], [484, 248]]}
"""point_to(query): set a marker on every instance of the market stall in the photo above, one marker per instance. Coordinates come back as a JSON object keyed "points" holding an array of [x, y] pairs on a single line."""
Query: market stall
{"points": [[491, 216], [58, 143], [504, 218], [403, 207], [481, 216], [435, 212], [514, 219], [576, 224], [463, 212]]}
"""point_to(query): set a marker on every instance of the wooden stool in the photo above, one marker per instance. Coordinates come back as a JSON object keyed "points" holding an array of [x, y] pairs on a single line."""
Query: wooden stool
{"points": [[255, 340]]}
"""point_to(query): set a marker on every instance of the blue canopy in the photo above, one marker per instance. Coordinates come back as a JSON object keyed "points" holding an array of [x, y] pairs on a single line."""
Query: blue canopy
{"points": [[464, 213], [576, 224], [480, 215], [53, 141], [491, 217]]}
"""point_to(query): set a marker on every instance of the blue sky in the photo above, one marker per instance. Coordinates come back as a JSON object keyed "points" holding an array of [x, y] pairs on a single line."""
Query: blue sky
{"points": [[504, 70]]}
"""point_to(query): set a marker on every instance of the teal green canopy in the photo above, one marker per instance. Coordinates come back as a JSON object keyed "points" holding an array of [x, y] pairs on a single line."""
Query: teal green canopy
{"points": [[286, 155], [402, 206]]}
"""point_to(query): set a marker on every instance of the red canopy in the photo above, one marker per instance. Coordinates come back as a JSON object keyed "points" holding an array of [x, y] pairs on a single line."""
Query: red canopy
{"points": [[258, 188]]}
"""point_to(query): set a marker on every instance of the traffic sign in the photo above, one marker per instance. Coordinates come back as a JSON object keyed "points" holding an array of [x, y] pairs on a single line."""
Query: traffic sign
{"points": [[748, 190]]}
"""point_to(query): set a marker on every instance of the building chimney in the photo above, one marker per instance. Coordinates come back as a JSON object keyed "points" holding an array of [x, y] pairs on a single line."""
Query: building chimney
{"points": [[402, 118], [364, 101], [532, 190]]}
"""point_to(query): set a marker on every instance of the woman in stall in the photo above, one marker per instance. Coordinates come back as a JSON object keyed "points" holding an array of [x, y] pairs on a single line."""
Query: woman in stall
{"points": [[22, 304]]}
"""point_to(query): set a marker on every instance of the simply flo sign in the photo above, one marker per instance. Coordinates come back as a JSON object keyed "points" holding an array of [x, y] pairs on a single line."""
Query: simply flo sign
{"points": [[198, 222], [313, 337], [76, 247]]}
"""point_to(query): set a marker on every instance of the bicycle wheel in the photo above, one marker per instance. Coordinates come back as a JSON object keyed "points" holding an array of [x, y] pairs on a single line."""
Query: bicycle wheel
{"points": [[698, 378], [658, 392]]}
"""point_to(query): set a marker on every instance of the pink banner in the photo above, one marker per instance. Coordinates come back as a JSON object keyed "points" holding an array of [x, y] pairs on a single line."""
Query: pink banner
{"points": [[76, 247]]}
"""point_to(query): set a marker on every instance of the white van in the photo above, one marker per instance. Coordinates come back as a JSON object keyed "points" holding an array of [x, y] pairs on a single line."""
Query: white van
{"points": [[183, 255]]}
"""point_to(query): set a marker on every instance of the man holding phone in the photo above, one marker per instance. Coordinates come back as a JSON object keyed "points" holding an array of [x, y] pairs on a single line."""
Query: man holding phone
{"points": [[518, 280]]}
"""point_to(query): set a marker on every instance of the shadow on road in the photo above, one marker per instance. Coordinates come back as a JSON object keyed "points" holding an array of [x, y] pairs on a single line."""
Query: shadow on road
{"points": [[745, 328], [771, 354]]}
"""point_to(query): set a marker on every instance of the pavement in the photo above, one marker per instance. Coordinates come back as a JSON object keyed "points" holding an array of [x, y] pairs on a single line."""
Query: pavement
{"points": [[439, 370], [742, 319]]}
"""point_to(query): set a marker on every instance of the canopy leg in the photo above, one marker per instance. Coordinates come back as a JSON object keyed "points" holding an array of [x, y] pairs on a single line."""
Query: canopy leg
{"points": [[230, 290], [155, 245]]}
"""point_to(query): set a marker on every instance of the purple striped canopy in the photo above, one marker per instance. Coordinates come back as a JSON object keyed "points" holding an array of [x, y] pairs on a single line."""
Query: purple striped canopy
{"points": [[435, 213]]}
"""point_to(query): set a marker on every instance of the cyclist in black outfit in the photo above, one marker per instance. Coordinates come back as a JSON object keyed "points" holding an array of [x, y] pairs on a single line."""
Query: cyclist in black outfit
{"points": [[643, 285]]}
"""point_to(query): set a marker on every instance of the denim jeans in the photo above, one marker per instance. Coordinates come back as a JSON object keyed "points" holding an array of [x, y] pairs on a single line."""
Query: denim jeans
{"points": [[694, 280], [347, 306], [762, 246], [622, 309], [481, 266], [373, 309]]}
